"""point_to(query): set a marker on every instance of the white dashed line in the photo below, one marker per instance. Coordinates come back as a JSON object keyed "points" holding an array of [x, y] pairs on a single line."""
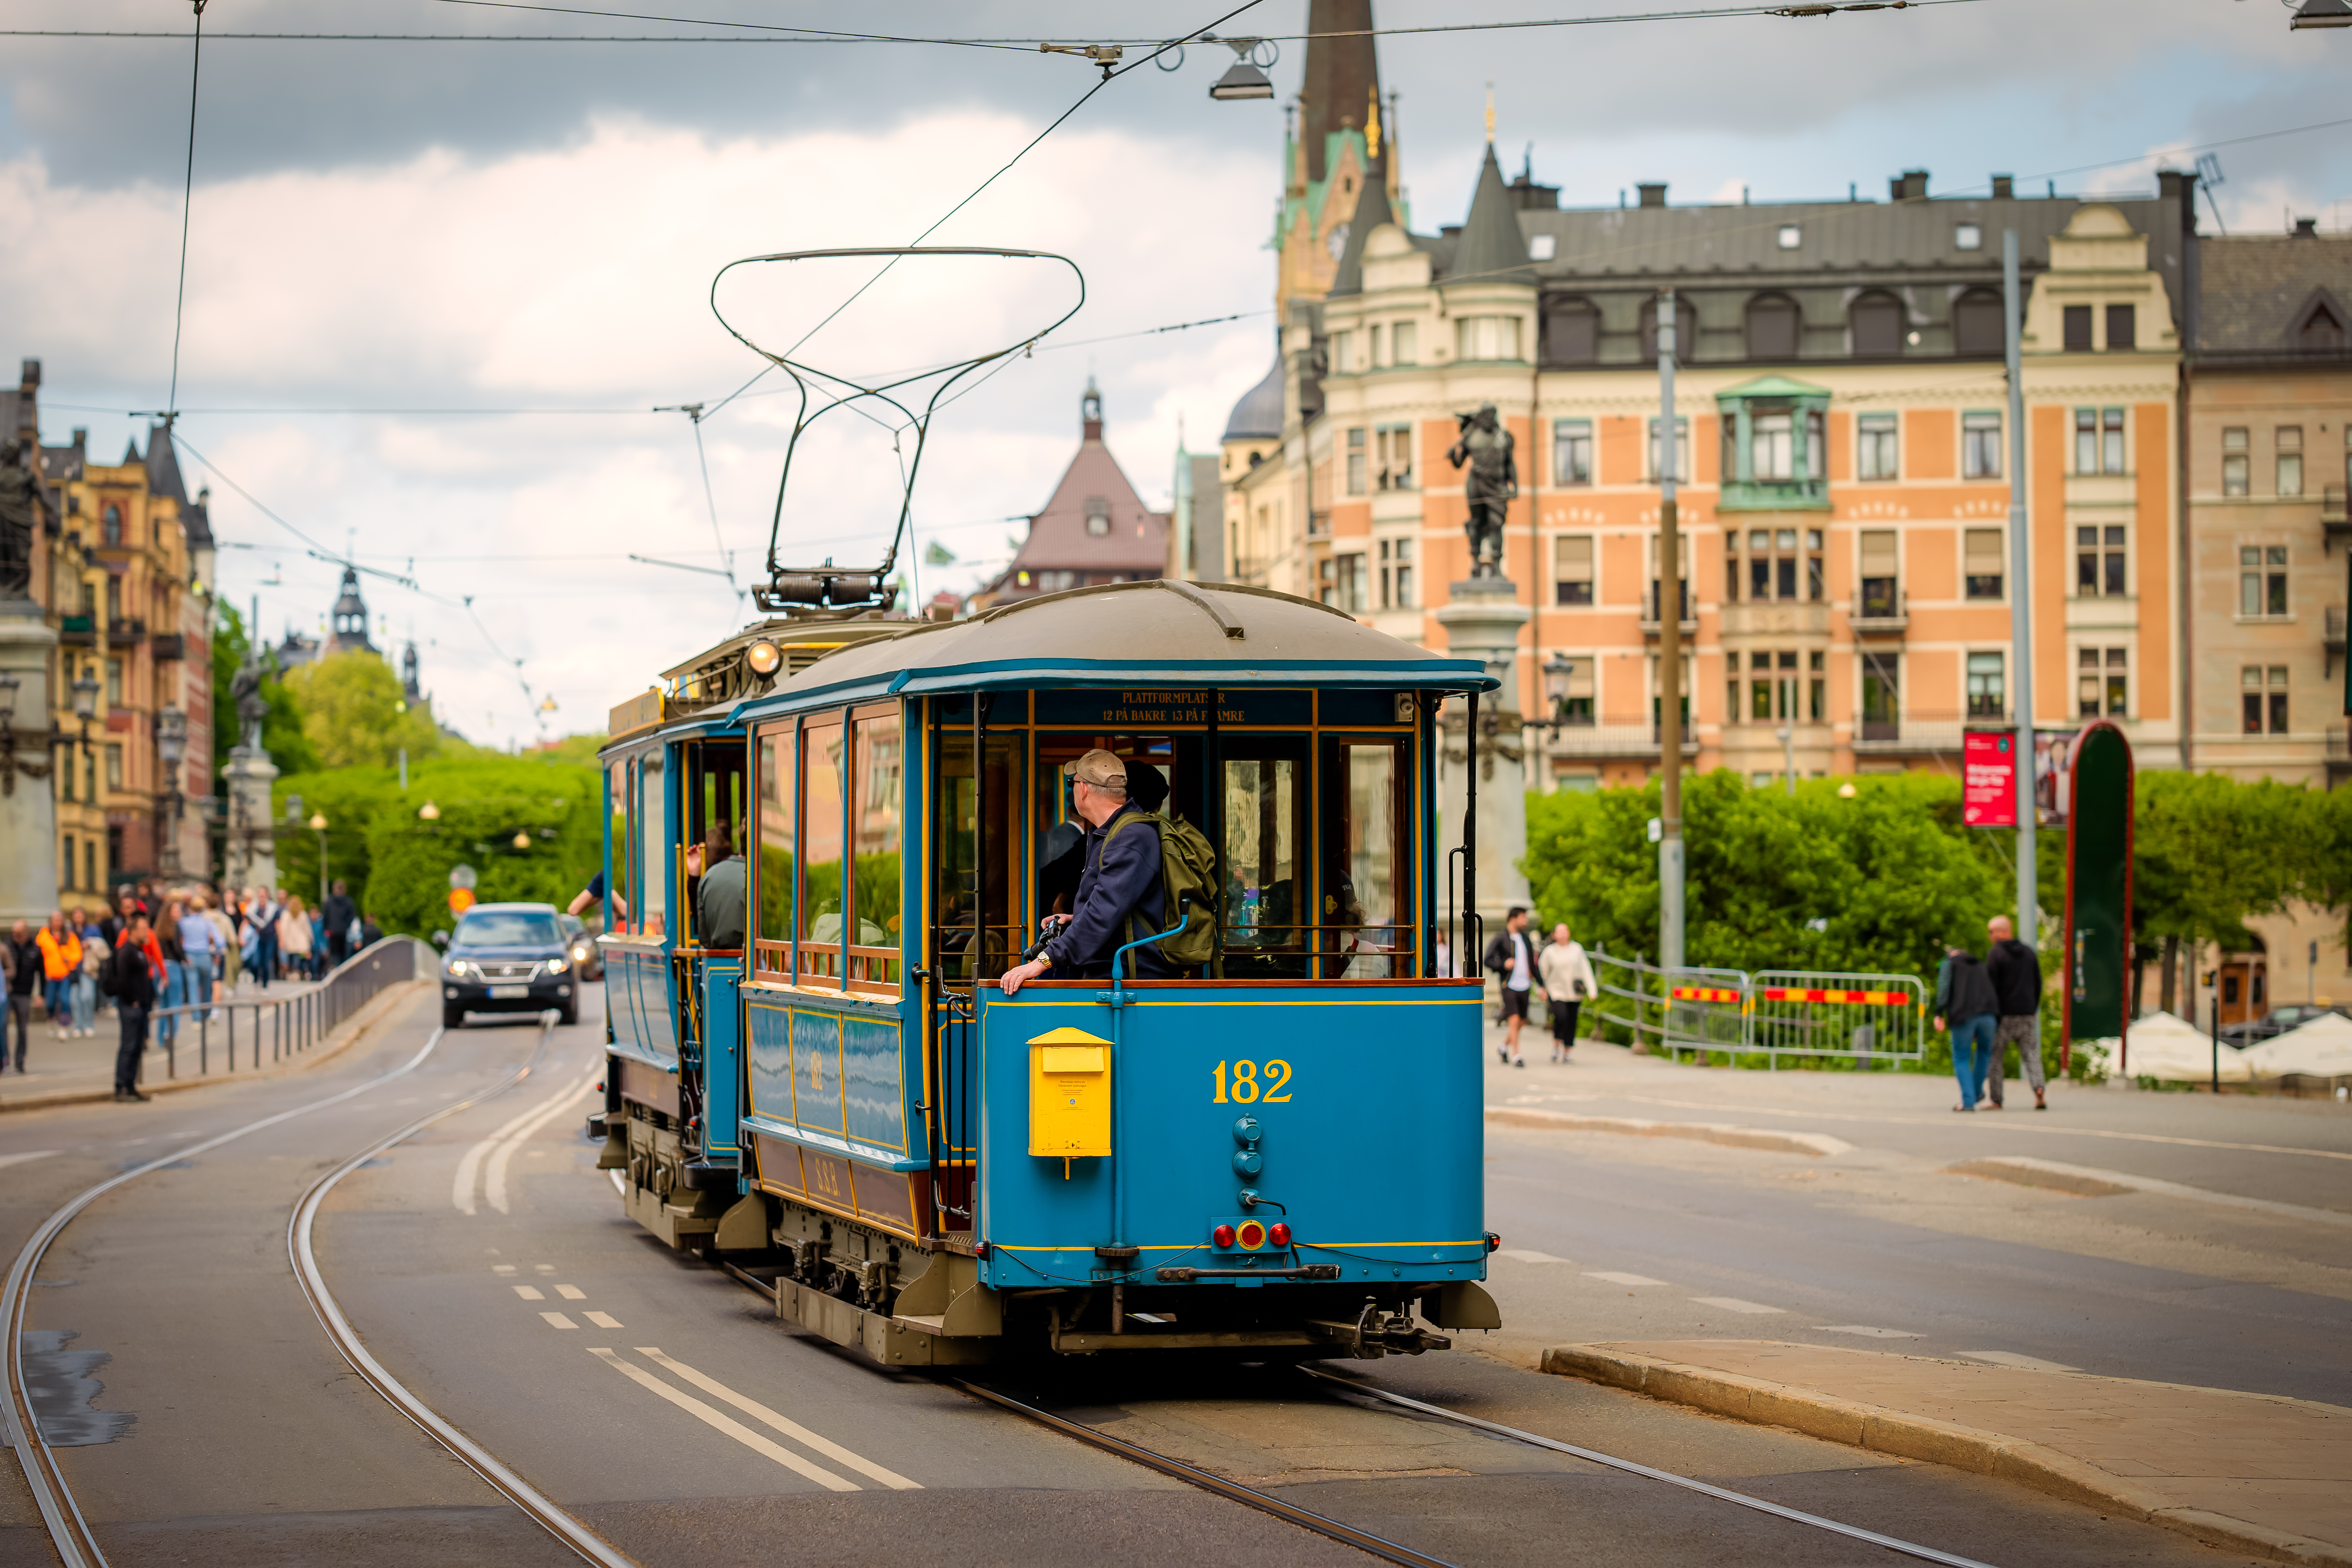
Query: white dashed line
{"points": [[572, 1292], [558, 1320], [30, 1154], [603, 1320], [785, 1424], [1615, 1278], [728, 1425], [1524, 1255], [2015, 1362], [494, 1175], [543, 1267], [1866, 1330], [529, 1292], [1733, 1304], [502, 1267]]}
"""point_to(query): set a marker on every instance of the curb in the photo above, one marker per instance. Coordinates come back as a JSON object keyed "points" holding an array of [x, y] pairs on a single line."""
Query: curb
{"points": [[350, 1030], [1884, 1431], [1812, 1144]]}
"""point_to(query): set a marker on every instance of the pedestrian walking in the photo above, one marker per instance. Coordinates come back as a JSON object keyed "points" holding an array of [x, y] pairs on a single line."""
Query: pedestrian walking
{"points": [[294, 937], [1510, 956], [21, 956], [132, 983], [318, 945], [176, 974], [60, 962], [2015, 971], [262, 916], [338, 913], [200, 943], [219, 911], [1566, 975], [1965, 1004], [95, 950]]}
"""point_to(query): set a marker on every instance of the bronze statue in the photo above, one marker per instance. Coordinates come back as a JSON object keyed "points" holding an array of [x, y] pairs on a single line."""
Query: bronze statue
{"points": [[245, 689], [1492, 486], [20, 515]]}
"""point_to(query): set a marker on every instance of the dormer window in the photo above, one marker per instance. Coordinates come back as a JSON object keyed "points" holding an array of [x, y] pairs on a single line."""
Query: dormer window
{"points": [[1097, 515]]}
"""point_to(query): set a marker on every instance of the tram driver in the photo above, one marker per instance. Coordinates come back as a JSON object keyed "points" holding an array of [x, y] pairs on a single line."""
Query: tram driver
{"points": [[1121, 892]]}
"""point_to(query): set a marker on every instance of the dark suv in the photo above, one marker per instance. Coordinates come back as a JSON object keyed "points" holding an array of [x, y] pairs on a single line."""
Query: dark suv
{"points": [[508, 958]]}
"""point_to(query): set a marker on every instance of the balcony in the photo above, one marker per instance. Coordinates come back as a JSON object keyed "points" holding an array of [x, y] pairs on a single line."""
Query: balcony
{"points": [[77, 631], [1776, 618], [1612, 740], [2331, 637], [2339, 755], [2332, 522], [1917, 734], [171, 646], [124, 629], [1883, 610], [1773, 495]]}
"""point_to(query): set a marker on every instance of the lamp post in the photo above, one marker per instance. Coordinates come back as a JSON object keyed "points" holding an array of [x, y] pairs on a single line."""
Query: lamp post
{"points": [[85, 707], [319, 826], [523, 839], [429, 812], [1555, 671], [171, 748], [10, 682]]}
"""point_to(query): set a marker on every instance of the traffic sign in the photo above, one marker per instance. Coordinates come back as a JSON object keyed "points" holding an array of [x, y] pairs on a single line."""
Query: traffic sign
{"points": [[461, 876]]}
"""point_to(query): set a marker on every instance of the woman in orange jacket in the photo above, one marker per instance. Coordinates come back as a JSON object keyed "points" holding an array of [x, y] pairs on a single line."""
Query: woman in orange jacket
{"points": [[61, 964]]}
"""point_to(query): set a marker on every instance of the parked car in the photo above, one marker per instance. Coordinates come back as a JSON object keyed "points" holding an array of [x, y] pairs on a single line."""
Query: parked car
{"points": [[508, 958], [587, 958], [2283, 1017]]}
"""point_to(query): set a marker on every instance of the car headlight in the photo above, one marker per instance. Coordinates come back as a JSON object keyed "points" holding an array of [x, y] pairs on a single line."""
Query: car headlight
{"points": [[579, 956], [556, 966], [459, 968]]}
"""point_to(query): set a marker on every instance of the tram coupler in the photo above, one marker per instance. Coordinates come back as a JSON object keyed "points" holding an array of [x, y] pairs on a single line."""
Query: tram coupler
{"points": [[1372, 1336]]}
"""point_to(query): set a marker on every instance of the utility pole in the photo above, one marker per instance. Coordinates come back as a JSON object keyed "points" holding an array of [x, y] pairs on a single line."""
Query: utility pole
{"points": [[1670, 657], [2020, 597]]}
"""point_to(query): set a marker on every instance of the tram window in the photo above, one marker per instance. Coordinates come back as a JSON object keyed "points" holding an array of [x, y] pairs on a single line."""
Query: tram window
{"points": [[654, 842], [715, 793], [954, 893], [821, 844], [778, 864], [1265, 841], [1367, 922], [877, 782], [618, 877]]}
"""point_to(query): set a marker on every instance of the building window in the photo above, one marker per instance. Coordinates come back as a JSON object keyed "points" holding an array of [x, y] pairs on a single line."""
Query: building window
{"points": [[1979, 445], [2099, 563], [2290, 460], [1967, 237], [2320, 332], [1396, 575], [1571, 557], [1791, 236], [67, 881], [114, 683], [1404, 342], [1685, 331], [1817, 704], [1377, 360], [1343, 352], [2078, 329], [1682, 452], [2099, 441], [114, 767], [1877, 323], [1874, 448], [1977, 323], [2264, 703], [1988, 687], [113, 599], [1576, 705], [90, 865], [1356, 455], [2101, 682], [1354, 584], [2123, 329], [1880, 599], [1772, 326], [1486, 338], [2233, 458], [1882, 696], [1393, 452], [2262, 580], [1980, 562], [1777, 562], [1573, 333], [1571, 451], [110, 523], [1097, 515], [1772, 447]]}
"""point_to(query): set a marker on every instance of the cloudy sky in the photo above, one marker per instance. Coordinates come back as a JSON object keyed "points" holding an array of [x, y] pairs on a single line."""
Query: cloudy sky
{"points": [[511, 245]]}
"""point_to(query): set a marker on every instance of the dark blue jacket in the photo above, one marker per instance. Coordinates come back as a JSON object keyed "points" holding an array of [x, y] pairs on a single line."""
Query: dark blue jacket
{"points": [[1120, 886]]}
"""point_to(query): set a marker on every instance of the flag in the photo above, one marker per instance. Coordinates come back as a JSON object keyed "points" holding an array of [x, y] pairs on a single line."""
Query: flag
{"points": [[937, 554]]}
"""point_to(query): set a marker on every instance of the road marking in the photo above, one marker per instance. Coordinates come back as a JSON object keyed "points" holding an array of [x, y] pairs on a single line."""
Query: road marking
{"points": [[30, 1154], [529, 1293], [572, 1292], [494, 1179], [558, 1319], [788, 1426], [1616, 1279], [603, 1320], [1865, 1329], [2168, 1189], [2016, 1361], [1524, 1255], [461, 1191], [502, 1267], [728, 1425], [1733, 1304], [543, 1267]]}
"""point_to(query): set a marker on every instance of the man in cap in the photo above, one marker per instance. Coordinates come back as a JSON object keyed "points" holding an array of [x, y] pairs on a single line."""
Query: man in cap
{"points": [[1121, 893]]}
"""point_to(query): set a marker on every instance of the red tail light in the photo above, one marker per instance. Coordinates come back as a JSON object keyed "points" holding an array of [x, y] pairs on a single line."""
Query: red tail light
{"points": [[1223, 1236], [1279, 1234], [1252, 1235]]}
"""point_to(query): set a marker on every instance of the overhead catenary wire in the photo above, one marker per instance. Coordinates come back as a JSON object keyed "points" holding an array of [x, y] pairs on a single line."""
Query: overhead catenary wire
{"points": [[187, 207]]}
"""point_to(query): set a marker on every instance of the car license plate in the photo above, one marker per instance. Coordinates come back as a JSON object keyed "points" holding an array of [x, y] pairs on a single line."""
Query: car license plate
{"points": [[508, 993]]}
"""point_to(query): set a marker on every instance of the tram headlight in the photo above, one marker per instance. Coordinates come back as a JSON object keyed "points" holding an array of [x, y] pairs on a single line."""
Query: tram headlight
{"points": [[763, 657]]}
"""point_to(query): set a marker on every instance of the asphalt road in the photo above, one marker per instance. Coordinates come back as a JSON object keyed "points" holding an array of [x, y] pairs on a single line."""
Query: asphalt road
{"points": [[636, 1387]]}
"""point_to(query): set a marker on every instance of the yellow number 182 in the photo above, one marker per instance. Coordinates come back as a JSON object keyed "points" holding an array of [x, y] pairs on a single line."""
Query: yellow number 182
{"points": [[1246, 1088]]}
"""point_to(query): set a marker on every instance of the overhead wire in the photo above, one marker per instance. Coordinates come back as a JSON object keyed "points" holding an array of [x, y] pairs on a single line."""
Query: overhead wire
{"points": [[187, 207]]}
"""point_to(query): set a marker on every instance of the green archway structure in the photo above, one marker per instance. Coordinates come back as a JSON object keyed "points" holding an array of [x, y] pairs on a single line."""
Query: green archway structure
{"points": [[2098, 890]]}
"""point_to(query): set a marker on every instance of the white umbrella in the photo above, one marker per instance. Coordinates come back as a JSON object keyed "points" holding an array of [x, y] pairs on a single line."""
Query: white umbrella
{"points": [[2322, 1048], [2163, 1047]]}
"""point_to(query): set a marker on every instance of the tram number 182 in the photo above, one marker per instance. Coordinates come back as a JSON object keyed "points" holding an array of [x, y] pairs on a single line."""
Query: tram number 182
{"points": [[1248, 1087]]}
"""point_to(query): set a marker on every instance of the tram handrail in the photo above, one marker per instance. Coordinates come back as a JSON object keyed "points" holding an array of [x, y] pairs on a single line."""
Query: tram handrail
{"points": [[299, 1019]]}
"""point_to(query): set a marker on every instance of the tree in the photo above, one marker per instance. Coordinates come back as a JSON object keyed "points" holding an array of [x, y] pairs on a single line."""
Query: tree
{"points": [[2209, 853], [282, 725], [355, 714], [483, 804]]}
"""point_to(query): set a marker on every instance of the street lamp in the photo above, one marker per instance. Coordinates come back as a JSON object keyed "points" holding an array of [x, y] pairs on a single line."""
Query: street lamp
{"points": [[1244, 79], [523, 839], [1556, 670], [172, 747], [9, 683], [85, 707], [1846, 790], [319, 826], [429, 812], [2321, 14], [1787, 737]]}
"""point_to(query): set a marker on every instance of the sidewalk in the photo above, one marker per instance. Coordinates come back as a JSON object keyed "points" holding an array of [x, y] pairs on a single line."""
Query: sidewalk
{"points": [[2252, 1472]]}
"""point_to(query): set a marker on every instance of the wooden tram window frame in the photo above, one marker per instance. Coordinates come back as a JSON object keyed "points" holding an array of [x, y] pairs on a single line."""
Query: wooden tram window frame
{"points": [[788, 732], [854, 955], [804, 950], [1406, 872]]}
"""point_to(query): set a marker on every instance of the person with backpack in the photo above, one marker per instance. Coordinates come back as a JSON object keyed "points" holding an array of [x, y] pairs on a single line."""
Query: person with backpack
{"points": [[128, 977], [1966, 1003], [1122, 889]]}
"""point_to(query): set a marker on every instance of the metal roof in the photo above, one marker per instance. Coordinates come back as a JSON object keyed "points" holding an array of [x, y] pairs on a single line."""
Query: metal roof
{"points": [[2253, 291], [1157, 633], [1491, 248], [1259, 415]]}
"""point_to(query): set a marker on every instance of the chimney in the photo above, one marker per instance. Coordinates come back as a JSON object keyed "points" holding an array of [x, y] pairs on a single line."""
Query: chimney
{"points": [[1910, 185], [1653, 195], [29, 375], [2306, 228], [2004, 187]]}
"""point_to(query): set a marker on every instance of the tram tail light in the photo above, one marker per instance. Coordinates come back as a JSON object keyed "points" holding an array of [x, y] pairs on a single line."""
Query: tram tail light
{"points": [[1279, 1234], [1252, 1235], [1223, 1236]]}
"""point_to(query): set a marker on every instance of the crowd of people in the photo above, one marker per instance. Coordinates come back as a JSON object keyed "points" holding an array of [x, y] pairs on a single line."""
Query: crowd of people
{"points": [[161, 955]]}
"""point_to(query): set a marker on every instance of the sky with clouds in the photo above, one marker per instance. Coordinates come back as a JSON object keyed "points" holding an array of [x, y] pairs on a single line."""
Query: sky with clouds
{"points": [[533, 228]]}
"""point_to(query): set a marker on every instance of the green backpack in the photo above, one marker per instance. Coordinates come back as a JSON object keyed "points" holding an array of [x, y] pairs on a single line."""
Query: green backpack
{"points": [[1188, 875]]}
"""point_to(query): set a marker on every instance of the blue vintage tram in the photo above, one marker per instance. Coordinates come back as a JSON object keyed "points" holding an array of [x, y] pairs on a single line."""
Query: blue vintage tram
{"points": [[1278, 1154]]}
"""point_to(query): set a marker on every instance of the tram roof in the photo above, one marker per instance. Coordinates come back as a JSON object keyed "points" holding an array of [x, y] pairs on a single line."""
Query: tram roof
{"points": [[1154, 633]]}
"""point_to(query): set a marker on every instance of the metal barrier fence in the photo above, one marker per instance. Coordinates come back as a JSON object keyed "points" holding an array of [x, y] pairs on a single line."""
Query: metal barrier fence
{"points": [[297, 1021], [1773, 1013]]}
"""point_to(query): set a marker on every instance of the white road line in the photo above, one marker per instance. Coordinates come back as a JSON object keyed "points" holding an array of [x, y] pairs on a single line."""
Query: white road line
{"points": [[1865, 1330], [2172, 1189], [502, 1267], [1615, 1278], [1733, 1304], [728, 1425], [30, 1154], [542, 1267], [1524, 1255], [529, 1292], [461, 1191], [557, 1320], [604, 1320], [789, 1427], [2015, 1362], [494, 1180], [572, 1292]]}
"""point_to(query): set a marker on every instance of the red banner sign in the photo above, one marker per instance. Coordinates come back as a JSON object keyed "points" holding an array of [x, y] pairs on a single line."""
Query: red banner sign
{"points": [[1989, 778]]}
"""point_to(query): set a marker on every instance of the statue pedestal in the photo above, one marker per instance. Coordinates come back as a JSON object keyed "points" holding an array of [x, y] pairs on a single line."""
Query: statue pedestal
{"points": [[1482, 622], [251, 858], [28, 801]]}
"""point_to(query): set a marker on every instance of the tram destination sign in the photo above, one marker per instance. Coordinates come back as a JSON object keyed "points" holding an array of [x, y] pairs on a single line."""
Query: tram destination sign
{"points": [[1184, 708]]}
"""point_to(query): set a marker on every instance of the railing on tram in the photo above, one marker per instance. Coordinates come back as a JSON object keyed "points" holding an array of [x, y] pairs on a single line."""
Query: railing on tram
{"points": [[950, 1102], [295, 1021]]}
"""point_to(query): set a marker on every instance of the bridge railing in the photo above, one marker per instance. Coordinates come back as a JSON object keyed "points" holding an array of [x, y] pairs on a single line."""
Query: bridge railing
{"points": [[1861, 1016], [289, 1023]]}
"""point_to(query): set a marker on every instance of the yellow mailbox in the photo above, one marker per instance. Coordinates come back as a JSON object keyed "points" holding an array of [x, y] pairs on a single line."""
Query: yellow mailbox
{"points": [[1069, 1094]]}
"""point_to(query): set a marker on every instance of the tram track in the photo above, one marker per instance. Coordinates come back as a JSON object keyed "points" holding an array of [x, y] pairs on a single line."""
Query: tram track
{"points": [[69, 1530]]}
